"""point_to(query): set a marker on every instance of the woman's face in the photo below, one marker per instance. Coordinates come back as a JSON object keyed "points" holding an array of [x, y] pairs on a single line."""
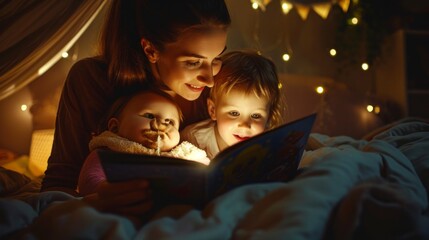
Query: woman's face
{"points": [[188, 65]]}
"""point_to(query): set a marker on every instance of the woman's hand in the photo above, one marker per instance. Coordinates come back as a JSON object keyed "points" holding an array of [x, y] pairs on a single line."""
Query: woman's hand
{"points": [[130, 198]]}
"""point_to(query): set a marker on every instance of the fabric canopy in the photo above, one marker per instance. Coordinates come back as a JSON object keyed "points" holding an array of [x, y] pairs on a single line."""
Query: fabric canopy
{"points": [[33, 35]]}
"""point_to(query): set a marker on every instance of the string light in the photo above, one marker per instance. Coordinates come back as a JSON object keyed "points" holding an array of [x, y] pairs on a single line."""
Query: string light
{"points": [[255, 5], [286, 57], [24, 107], [286, 7], [320, 90], [65, 54], [377, 109]]}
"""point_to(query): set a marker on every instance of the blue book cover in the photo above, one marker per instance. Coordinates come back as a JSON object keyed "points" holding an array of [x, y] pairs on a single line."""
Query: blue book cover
{"points": [[269, 157]]}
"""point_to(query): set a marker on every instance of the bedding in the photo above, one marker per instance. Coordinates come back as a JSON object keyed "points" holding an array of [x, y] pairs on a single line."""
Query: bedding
{"points": [[373, 188]]}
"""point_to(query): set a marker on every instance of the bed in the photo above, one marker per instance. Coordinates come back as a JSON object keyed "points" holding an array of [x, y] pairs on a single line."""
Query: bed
{"points": [[370, 188]]}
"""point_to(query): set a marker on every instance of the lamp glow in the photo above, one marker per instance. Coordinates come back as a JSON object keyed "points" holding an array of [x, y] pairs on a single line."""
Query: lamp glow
{"points": [[65, 54], [369, 108], [255, 5], [365, 66], [355, 21], [333, 52], [40, 150]]}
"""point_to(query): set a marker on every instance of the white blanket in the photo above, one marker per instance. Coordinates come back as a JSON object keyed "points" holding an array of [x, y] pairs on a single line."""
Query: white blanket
{"points": [[350, 188]]}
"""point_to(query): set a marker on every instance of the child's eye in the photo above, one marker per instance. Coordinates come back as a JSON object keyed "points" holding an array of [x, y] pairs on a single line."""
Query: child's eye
{"points": [[193, 64], [256, 116], [234, 113], [148, 115]]}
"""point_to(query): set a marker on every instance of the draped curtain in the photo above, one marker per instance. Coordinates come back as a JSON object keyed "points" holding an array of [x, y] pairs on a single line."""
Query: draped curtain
{"points": [[34, 33]]}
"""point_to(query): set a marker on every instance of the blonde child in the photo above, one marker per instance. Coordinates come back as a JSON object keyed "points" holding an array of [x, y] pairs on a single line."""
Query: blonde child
{"points": [[244, 101]]}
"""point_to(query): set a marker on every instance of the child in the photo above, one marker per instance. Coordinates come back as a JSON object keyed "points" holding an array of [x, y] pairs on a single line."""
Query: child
{"points": [[144, 123], [244, 101]]}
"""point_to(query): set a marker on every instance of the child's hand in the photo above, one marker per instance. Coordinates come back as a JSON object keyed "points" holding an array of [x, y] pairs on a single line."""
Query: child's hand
{"points": [[130, 199]]}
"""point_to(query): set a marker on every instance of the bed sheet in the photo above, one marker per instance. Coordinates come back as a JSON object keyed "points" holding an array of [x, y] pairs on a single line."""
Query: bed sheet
{"points": [[365, 189]]}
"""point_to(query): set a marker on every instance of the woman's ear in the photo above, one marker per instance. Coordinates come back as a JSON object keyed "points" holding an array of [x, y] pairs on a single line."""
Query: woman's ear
{"points": [[149, 50], [113, 125], [211, 108]]}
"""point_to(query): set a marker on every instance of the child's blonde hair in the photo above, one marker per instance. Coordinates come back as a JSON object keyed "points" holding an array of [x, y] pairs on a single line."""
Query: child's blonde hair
{"points": [[252, 73]]}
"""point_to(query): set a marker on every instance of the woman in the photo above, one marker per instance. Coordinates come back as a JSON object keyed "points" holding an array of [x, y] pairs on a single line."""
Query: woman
{"points": [[173, 45]]}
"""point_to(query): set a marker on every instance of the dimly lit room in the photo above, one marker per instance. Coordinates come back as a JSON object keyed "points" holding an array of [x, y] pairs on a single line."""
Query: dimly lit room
{"points": [[361, 66]]}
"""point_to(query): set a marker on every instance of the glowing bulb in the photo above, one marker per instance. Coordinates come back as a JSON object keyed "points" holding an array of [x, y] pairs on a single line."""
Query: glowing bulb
{"points": [[286, 57], [369, 108], [333, 52], [377, 109], [24, 107], [255, 5], [286, 7], [64, 54], [320, 90], [365, 66], [355, 20], [280, 85]]}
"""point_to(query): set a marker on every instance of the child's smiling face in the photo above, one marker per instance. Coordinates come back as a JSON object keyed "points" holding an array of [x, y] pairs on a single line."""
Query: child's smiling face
{"points": [[239, 116]]}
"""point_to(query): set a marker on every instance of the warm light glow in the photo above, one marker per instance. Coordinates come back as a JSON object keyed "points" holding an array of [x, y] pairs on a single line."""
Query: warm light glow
{"points": [[365, 66], [280, 85], [255, 5], [286, 7], [320, 90], [333, 52], [40, 149], [57, 56], [370, 108], [65, 54], [355, 20], [24, 107], [286, 57], [377, 109]]}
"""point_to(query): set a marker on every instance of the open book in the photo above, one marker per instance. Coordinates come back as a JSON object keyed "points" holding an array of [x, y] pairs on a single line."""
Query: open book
{"points": [[268, 157]]}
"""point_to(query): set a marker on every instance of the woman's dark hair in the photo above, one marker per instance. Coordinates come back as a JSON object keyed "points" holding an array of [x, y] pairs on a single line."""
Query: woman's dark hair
{"points": [[158, 21]]}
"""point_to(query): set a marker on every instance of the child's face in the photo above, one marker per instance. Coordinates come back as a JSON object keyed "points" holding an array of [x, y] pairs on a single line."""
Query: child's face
{"points": [[239, 117], [188, 65], [144, 117]]}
